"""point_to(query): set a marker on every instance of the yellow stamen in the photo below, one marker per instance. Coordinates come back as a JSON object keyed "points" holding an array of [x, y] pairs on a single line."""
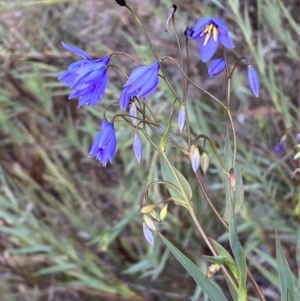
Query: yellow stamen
{"points": [[207, 38], [208, 31], [215, 33]]}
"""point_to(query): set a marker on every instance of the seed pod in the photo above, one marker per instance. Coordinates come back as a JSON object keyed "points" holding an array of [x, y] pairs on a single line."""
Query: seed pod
{"points": [[163, 212], [204, 162]]}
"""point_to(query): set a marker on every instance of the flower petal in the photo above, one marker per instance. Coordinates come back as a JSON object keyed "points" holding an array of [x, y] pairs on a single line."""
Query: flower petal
{"points": [[253, 80], [199, 26], [77, 51], [217, 66], [207, 51]]}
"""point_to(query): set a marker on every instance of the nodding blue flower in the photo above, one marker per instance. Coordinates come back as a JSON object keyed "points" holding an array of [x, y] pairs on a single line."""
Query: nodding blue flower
{"points": [[210, 31], [137, 147], [297, 138], [87, 78], [148, 234], [181, 118], [104, 145], [194, 157], [279, 148], [253, 80], [217, 66], [142, 81]]}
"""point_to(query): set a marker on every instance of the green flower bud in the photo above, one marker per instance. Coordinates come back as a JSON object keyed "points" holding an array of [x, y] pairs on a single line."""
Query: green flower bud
{"points": [[204, 162], [147, 209], [163, 212]]}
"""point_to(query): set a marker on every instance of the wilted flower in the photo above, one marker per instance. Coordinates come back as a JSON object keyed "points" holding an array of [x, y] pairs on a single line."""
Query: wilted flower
{"points": [[142, 81], [87, 78], [217, 66], [104, 145], [137, 147], [194, 157], [181, 118], [210, 31], [253, 80]]}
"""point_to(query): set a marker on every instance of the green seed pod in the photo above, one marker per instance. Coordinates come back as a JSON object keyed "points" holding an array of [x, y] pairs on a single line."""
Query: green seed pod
{"points": [[163, 212]]}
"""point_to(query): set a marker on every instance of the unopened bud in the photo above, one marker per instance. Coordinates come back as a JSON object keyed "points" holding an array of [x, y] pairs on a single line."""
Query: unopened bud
{"points": [[204, 162], [148, 234], [181, 118], [163, 212], [154, 214], [194, 157], [133, 112], [147, 209], [149, 222], [232, 180]]}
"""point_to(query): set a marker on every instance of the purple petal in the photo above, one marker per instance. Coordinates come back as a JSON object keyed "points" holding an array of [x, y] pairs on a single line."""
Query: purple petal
{"points": [[77, 51], [225, 40], [217, 66], [199, 26], [207, 51], [124, 99], [253, 80], [137, 147]]}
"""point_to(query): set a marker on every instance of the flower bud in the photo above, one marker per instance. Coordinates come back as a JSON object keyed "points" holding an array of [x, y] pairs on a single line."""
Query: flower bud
{"points": [[253, 80], [163, 212], [194, 157], [137, 147], [232, 180], [217, 66], [149, 222], [133, 112], [147, 209], [181, 118], [148, 234], [204, 162]]}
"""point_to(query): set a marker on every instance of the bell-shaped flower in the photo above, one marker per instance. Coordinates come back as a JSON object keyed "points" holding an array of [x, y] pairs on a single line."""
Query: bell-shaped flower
{"points": [[181, 118], [87, 78], [142, 81], [104, 145], [194, 157], [253, 80], [137, 147], [217, 66], [210, 31]]}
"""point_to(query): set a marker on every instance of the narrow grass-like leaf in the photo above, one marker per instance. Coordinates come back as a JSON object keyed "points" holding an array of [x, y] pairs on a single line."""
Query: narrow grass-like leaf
{"points": [[239, 256], [207, 285], [285, 275]]}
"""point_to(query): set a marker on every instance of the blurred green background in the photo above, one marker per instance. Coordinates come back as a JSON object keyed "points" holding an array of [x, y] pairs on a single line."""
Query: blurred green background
{"points": [[71, 229]]}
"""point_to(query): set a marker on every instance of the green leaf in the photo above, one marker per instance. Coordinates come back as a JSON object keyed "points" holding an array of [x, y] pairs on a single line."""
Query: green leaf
{"points": [[173, 176], [285, 275], [230, 263], [239, 188], [239, 256], [212, 291]]}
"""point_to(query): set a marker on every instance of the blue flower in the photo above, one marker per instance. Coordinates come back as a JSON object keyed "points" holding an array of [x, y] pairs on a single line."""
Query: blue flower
{"points": [[142, 81], [181, 118], [253, 80], [279, 148], [104, 145], [194, 157], [217, 66], [210, 31], [87, 78]]}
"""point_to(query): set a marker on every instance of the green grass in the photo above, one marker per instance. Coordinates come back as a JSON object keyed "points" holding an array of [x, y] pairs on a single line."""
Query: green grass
{"points": [[71, 229]]}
